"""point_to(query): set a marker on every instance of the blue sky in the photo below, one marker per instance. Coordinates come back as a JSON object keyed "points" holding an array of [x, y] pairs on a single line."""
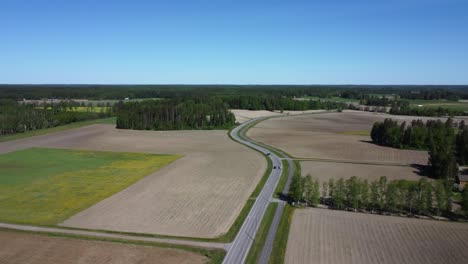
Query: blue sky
{"points": [[235, 42]]}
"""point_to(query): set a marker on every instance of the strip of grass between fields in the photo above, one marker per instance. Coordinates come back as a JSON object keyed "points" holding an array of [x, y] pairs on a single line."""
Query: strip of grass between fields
{"points": [[109, 120], [281, 239], [262, 233], [216, 256]]}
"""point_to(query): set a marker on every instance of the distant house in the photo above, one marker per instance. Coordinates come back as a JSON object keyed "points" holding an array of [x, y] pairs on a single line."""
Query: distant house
{"points": [[463, 177]]}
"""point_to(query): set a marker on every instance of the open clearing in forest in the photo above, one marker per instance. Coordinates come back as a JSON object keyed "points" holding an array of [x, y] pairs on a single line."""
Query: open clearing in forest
{"points": [[46, 186], [198, 195], [330, 136], [40, 249], [323, 171], [328, 236]]}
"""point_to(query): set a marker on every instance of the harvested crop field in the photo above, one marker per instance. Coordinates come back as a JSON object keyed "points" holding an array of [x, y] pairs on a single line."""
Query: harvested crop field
{"points": [[328, 236], [323, 171], [198, 195], [327, 136], [245, 115], [39, 249]]}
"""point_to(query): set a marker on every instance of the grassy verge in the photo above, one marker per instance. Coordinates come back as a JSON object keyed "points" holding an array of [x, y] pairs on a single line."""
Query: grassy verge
{"points": [[215, 255], [109, 120], [262, 233], [283, 179], [281, 239], [297, 167]]}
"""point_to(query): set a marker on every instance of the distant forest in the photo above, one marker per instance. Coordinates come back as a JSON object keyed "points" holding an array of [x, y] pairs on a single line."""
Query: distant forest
{"points": [[204, 106], [18, 118], [118, 92]]}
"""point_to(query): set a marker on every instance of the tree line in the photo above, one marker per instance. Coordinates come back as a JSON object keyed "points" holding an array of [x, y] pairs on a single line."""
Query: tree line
{"points": [[397, 196], [208, 113], [18, 118], [447, 142], [272, 103], [119, 92], [425, 111]]}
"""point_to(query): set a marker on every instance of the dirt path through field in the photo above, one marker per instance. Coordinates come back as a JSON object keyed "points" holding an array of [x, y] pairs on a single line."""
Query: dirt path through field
{"points": [[116, 236]]}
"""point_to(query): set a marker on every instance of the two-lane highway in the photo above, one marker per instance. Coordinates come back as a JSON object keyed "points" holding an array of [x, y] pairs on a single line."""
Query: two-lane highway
{"points": [[241, 245]]}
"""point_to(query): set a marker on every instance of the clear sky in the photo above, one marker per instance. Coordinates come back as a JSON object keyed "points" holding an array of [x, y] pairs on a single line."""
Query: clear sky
{"points": [[235, 41]]}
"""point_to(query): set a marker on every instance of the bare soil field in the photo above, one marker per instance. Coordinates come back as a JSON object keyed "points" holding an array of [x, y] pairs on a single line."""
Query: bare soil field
{"points": [[38, 249], [323, 171], [199, 195], [245, 115], [322, 136], [328, 236]]}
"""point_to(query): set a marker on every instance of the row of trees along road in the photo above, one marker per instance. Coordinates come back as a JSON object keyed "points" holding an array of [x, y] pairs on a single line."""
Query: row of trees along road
{"points": [[398, 196], [208, 113], [447, 142]]}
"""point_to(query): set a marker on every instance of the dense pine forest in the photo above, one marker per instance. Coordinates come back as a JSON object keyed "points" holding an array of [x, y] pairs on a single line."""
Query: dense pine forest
{"points": [[174, 114]]}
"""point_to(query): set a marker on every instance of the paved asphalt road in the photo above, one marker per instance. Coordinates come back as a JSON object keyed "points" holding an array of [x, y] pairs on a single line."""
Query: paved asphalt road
{"points": [[270, 239], [240, 247]]}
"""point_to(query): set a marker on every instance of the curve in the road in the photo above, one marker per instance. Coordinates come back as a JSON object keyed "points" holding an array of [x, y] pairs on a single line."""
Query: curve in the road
{"points": [[240, 247]]}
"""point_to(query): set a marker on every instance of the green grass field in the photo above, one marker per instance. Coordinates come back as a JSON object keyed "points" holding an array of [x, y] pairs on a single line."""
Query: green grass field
{"points": [[46, 186], [332, 99], [453, 105], [93, 109]]}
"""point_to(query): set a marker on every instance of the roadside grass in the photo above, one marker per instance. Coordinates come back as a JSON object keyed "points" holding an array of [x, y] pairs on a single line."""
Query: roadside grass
{"points": [[357, 133], [109, 120], [262, 233], [281, 239], [46, 186], [283, 180], [215, 256]]}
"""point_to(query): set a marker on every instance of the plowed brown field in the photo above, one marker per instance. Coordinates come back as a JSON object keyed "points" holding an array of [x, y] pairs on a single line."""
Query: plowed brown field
{"points": [[321, 136], [335, 237], [38, 249], [199, 195], [323, 171]]}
